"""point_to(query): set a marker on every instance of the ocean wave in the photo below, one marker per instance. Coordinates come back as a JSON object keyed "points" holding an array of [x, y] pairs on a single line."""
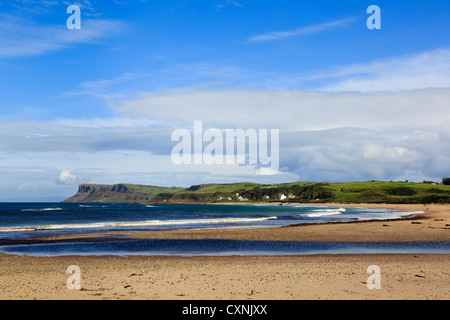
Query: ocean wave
{"points": [[393, 215], [325, 212], [41, 209], [100, 225]]}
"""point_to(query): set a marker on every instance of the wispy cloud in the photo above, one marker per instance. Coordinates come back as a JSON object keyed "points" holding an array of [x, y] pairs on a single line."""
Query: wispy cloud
{"points": [[104, 88], [423, 70], [429, 69], [86, 6], [20, 38], [280, 35], [33, 7], [234, 3]]}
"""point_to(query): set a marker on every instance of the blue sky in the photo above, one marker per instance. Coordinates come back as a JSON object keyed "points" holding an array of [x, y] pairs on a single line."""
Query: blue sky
{"points": [[98, 105]]}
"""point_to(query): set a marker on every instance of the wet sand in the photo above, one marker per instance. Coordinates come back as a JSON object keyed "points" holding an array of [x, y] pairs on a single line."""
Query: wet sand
{"points": [[313, 277]]}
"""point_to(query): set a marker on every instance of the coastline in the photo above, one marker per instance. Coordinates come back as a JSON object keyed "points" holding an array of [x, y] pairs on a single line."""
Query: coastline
{"points": [[307, 277], [431, 226], [419, 226]]}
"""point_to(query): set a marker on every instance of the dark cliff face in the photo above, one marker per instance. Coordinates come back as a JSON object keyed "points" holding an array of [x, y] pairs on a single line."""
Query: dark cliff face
{"points": [[86, 189], [91, 188], [197, 187], [100, 193], [119, 188]]}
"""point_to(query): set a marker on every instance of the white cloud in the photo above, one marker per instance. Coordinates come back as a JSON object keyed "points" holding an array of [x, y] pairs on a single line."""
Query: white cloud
{"points": [[279, 35], [373, 151], [85, 135], [358, 155], [429, 69], [83, 4], [114, 123], [228, 3], [37, 170], [101, 84], [20, 37], [66, 177], [290, 110], [424, 70], [106, 88]]}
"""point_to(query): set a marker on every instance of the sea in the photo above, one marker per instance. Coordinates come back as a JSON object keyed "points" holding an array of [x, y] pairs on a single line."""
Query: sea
{"points": [[20, 223]]}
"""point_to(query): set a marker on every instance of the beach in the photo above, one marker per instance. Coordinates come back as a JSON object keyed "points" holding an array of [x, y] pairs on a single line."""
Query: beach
{"points": [[227, 278], [309, 277]]}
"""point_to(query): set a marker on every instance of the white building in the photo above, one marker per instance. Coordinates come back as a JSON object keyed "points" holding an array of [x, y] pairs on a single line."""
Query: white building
{"points": [[282, 197], [224, 198]]}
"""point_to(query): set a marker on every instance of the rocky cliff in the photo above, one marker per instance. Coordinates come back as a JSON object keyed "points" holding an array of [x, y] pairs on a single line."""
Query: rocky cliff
{"points": [[349, 192], [117, 193]]}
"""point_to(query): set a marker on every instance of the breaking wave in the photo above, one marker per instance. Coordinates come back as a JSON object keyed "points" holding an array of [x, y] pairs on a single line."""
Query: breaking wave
{"points": [[41, 209], [325, 212], [147, 223]]}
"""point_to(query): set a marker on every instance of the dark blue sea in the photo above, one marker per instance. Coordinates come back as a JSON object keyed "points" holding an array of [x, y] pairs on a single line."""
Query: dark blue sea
{"points": [[53, 217], [25, 221]]}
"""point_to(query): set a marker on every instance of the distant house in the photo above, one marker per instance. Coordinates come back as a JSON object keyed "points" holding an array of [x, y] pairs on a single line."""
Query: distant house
{"points": [[224, 198], [282, 197], [239, 198], [291, 196], [266, 197]]}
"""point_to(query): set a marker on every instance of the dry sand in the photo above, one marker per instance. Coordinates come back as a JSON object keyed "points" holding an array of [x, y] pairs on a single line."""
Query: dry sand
{"points": [[230, 278], [260, 278]]}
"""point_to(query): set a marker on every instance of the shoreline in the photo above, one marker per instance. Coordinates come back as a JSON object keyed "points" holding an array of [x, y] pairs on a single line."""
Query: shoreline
{"points": [[431, 226], [299, 277]]}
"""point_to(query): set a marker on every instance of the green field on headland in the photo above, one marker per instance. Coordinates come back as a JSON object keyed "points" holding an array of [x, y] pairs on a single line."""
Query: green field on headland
{"points": [[322, 192]]}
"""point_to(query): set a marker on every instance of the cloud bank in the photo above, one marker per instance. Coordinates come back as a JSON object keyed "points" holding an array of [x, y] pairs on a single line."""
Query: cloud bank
{"points": [[291, 110]]}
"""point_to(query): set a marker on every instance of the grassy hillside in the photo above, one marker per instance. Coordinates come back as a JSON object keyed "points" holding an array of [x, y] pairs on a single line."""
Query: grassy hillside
{"points": [[353, 192], [389, 192]]}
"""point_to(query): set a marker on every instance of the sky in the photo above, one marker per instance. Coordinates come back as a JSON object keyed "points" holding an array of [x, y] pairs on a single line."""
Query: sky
{"points": [[99, 104]]}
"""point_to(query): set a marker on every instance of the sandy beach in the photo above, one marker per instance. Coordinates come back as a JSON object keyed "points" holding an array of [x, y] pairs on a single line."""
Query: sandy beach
{"points": [[345, 277], [230, 278]]}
